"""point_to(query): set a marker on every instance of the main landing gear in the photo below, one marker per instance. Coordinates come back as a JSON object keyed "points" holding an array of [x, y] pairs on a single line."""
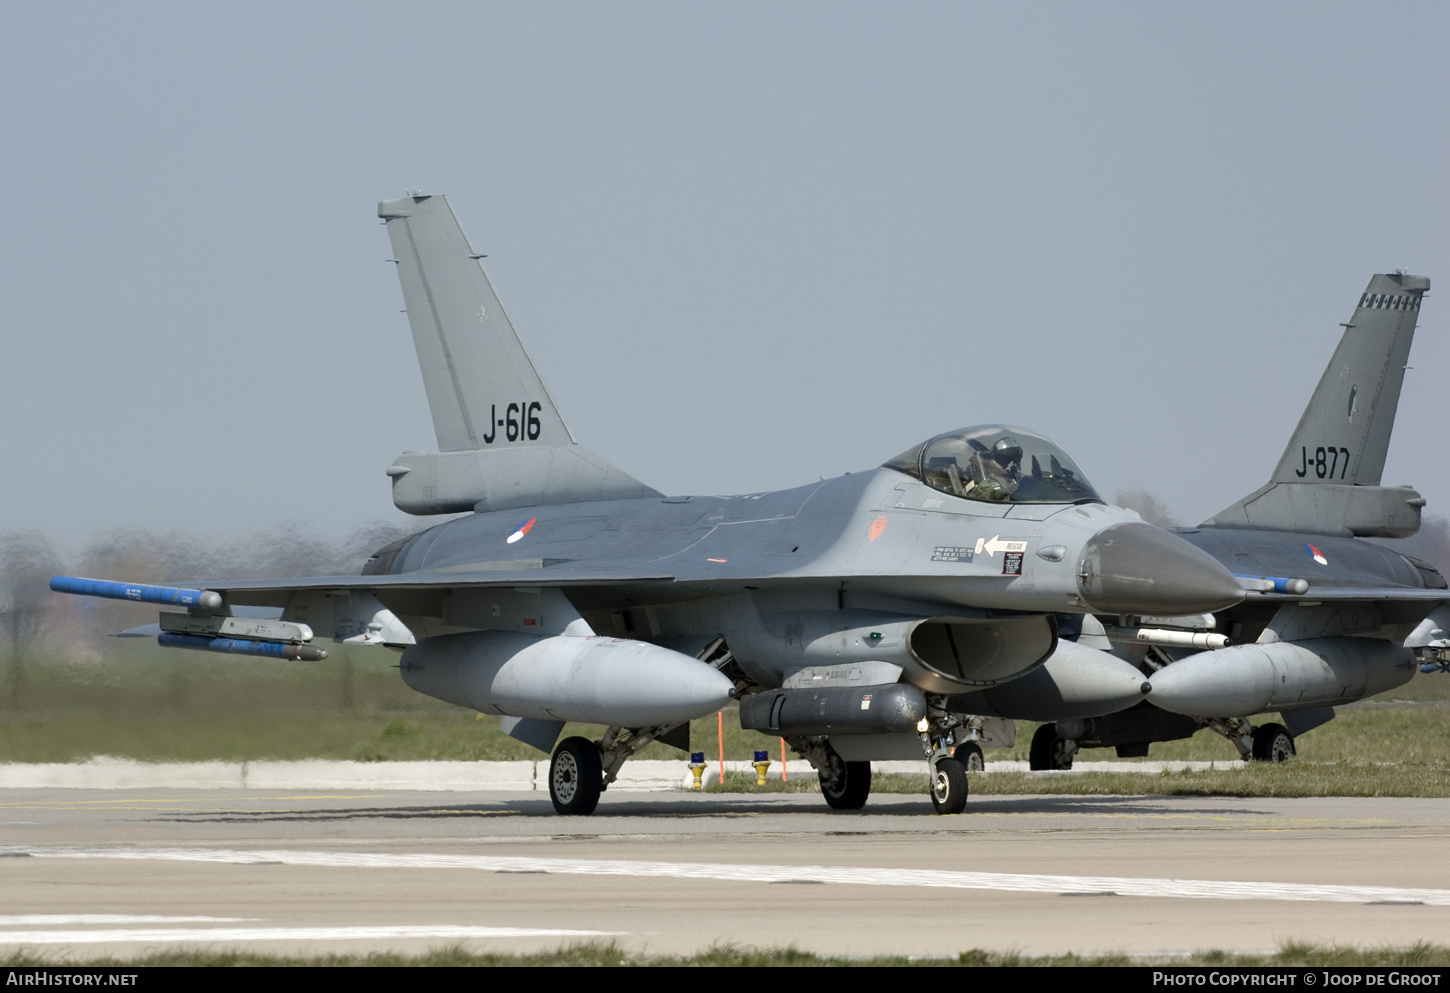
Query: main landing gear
{"points": [[1273, 743], [1049, 751], [849, 787], [970, 756], [582, 770], [1265, 743], [845, 785], [576, 776]]}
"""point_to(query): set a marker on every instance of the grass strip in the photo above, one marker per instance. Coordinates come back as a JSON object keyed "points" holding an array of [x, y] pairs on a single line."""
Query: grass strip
{"points": [[610, 955], [137, 701]]}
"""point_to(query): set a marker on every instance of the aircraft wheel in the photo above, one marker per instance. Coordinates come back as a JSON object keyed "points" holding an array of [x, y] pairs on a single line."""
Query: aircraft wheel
{"points": [[970, 756], [853, 784], [1048, 751], [1273, 743], [949, 787], [576, 776]]}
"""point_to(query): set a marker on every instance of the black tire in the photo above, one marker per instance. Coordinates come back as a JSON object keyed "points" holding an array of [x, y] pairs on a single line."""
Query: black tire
{"points": [[853, 784], [949, 787], [1273, 743], [970, 756], [576, 777], [1048, 751]]}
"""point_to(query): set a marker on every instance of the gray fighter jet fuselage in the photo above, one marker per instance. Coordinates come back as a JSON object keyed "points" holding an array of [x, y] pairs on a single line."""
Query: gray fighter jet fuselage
{"points": [[1328, 618], [880, 546], [859, 618]]}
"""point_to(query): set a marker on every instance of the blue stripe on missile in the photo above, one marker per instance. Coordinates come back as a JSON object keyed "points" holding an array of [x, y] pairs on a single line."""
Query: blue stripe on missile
{"points": [[136, 592], [1281, 583], [230, 646]]}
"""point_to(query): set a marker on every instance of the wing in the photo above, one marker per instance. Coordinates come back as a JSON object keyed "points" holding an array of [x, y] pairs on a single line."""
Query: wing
{"points": [[349, 609], [275, 592], [1344, 593]]}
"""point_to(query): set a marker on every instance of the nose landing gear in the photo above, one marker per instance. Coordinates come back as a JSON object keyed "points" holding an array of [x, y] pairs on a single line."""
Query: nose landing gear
{"points": [[949, 786]]}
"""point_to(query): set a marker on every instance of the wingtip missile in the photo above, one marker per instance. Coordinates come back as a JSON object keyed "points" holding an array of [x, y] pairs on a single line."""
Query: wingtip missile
{"points": [[137, 592]]}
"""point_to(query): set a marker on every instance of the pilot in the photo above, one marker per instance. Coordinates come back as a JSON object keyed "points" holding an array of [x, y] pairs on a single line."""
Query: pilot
{"points": [[999, 471]]}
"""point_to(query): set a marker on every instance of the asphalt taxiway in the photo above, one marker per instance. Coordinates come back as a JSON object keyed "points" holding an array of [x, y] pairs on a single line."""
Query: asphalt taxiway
{"points": [[119, 872]]}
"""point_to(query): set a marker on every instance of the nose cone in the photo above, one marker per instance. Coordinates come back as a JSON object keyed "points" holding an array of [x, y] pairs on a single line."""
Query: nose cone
{"points": [[1140, 569]]}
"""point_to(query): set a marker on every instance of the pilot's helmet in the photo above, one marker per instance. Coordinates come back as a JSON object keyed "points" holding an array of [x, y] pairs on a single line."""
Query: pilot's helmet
{"points": [[1007, 452]]}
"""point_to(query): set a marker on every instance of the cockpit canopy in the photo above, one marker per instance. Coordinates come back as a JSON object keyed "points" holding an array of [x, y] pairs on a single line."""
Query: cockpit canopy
{"points": [[997, 464]]}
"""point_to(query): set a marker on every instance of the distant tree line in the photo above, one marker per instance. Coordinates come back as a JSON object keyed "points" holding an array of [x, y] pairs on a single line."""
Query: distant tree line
{"points": [[33, 619]]}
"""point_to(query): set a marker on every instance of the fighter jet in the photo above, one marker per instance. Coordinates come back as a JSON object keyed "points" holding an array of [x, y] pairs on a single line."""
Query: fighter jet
{"points": [[1328, 618], [854, 617]]}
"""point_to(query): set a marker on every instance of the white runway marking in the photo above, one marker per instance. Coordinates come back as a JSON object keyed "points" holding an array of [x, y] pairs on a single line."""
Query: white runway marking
{"points": [[39, 920], [1193, 889], [174, 935]]}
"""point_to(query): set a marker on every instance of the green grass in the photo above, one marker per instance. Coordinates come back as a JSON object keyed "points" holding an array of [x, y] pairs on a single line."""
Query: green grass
{"points": [[141, 702], [609, 954]]}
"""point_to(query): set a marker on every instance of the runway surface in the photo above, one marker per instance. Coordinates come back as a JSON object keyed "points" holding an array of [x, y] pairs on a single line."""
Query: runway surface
{"points": [[121, 872]]}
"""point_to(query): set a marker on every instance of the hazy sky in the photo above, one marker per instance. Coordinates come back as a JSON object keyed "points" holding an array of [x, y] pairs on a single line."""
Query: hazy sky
{"points": [[748, 245]]}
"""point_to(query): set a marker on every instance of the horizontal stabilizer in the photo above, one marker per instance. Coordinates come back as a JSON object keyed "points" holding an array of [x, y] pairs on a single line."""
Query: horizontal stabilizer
{"points": [[456, 482], [1337, 509]]}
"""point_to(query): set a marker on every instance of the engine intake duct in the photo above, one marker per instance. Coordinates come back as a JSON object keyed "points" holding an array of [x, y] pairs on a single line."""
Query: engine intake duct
{"points": [[889, 709], [1075, 682]]}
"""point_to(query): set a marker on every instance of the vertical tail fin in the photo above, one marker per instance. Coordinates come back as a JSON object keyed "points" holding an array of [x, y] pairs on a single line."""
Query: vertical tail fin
{"points": [[1344, 434], [1328, 479], [502, 441], [474, 365]]}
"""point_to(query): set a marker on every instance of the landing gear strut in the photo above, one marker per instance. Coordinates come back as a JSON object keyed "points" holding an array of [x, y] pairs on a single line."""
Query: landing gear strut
{"points": [[946, 766]]}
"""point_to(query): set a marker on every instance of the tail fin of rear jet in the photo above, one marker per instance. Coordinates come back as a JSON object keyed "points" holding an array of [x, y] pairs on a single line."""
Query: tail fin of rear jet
{"points": [[1352, 411], [502, 441], [1328, 479]]}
